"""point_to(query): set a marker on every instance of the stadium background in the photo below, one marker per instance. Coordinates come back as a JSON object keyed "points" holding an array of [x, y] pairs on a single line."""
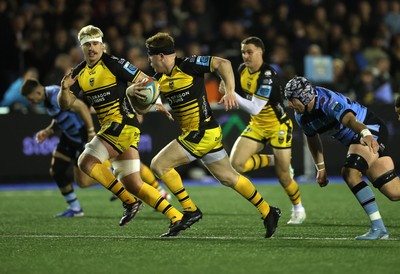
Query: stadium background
{"points": [[350, 46]]}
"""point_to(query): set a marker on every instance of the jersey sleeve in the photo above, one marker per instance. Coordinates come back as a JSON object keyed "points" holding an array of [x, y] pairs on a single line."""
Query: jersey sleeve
{"points": [[337, 107], [238, 86], [265, 84], [121, 68], [197, 65], [52, 95]]}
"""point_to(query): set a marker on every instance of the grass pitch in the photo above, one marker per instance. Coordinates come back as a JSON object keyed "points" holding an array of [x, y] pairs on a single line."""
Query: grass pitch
{"points": [[229, 238]]}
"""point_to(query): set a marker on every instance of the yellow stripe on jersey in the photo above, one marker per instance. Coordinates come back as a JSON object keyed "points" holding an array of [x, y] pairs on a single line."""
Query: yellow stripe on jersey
{"points": [[101, 89], [187, 111], [187, 114], [107, 106], [98, 77], [90, 92], [108, 111]]}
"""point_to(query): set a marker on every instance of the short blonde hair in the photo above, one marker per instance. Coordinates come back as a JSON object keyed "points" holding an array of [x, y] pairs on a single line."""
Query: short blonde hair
{"points": [[89, 32]]}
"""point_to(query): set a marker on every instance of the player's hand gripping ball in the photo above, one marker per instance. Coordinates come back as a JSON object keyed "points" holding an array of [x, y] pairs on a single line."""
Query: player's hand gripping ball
{"points": [[143, 95], [151, 90]]}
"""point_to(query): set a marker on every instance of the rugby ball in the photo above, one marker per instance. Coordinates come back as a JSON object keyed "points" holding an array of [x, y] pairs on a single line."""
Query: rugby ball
{"points": [[151, 90]]}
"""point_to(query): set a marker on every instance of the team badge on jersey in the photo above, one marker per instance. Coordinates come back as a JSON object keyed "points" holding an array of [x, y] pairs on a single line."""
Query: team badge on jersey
{"points": [[264, 90], [171, 84], [337, 107], [203, 60], [130, 68], [91, 82]]}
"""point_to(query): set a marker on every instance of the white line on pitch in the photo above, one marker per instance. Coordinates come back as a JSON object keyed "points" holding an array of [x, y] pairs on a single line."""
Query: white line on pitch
{"points": [[179, 237]]}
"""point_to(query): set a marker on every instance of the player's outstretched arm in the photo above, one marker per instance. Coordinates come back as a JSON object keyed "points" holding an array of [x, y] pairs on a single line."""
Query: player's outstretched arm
{"points": [[350, 121], [65, 97], [224, 69]]}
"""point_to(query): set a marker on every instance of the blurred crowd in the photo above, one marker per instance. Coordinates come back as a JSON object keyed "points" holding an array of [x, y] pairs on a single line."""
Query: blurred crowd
{"points": [[362, 37]]}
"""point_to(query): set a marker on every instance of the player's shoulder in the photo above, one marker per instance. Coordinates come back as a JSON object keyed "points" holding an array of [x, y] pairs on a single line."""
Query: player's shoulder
{"points": [[157, 76], [329, 101], [182, 61], [185, 64], [268, 71], [79, 68], [241, 68], [52, 89], [112, 61], [326, 96], [118, 64], [197, 60], [52, 92], [107, 58]]}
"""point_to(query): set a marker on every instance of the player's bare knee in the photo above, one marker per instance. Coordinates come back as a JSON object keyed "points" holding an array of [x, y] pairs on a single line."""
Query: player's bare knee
{"points": [[283, 175], [84, 182], [228, 179], [82, 163], [237, 165], [227, 183], [344, 173], [350, 175], [155, 167]]}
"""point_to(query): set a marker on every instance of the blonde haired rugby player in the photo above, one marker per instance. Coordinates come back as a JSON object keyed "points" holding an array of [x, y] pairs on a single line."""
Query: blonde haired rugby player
{"points": [[103, 80]]}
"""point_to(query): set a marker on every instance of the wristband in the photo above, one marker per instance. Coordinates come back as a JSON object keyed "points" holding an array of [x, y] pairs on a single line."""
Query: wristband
{"points": [[365, 132], [318, 164]]}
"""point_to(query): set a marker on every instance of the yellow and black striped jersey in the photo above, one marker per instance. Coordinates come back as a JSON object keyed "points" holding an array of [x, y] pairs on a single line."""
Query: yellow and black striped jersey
{"points": [[185, 91], [264, 84], [104, 86]]}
